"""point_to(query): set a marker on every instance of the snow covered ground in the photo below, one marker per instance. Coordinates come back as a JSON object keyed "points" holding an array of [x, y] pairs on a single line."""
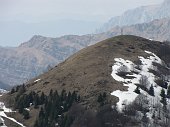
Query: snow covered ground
{"points": [[129, 95], [2, 91], [37, 80], [4, 110]]}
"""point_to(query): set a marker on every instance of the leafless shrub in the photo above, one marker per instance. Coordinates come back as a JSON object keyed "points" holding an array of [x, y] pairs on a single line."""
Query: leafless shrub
{"points": [[144, 81], [123, 68]]}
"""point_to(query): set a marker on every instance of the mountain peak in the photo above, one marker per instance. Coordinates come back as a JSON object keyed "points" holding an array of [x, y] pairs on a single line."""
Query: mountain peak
{"points": [[139, 15]]}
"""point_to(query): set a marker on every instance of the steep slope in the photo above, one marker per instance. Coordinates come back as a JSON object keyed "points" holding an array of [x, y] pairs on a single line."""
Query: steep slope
{"points": [[139, 15], [89, 71], [20, 64], [92, 66]]}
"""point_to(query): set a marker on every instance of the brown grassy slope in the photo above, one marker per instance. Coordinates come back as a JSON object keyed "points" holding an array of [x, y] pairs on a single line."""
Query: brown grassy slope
{"points": [[89, 70]]}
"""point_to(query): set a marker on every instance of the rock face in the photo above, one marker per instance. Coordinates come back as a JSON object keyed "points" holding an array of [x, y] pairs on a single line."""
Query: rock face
{"points": [[139, 15]]}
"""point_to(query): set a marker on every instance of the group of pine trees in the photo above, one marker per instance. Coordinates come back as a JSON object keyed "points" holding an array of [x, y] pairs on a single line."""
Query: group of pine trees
{"points": [[162, 94], [54, 111], [53, 107], [150, 90], [102, 98]]}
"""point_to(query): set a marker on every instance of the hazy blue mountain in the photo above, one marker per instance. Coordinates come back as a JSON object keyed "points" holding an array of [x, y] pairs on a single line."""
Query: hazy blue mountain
{"points": [[15, 31], [139, 15]]}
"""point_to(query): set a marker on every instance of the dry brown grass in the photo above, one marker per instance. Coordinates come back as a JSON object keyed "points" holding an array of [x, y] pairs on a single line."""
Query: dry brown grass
{"points": [[89, 70]]}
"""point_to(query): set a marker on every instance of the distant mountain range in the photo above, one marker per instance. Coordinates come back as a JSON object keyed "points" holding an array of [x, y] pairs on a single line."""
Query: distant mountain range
{"points": [[20, 64], [139, 15], [40, 53], [155, 30]]}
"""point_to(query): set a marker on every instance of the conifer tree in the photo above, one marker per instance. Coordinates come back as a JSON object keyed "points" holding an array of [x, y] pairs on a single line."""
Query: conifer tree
{"points": [[12, 91], [168, 92], [22, 89], [163, 100], [20, 108], [104, 95], [36, 101], [51, 93], [26, 114], [162, 93], [42, 98], [137, 90], [78, 98], [41, 113], [151, 90], [100, 98]]}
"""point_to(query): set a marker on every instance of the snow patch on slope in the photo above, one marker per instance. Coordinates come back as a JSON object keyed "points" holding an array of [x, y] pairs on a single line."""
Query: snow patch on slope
{"points": [[130, 95], [37, 80], [4, 110]]}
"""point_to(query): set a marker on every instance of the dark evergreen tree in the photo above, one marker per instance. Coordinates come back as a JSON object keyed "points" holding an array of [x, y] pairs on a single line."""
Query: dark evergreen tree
{"points": [[163, 99], [26, 114], [42, 98], [22, 89], [162, 93], [165, 85], [168, 92], [41, 122], [51, 93], [21, 108], [151, 90], [100, 98], [68, 121], [104, 95], [78, 98], [41, 113], [12, 91], [137, 90], [36, 101], [53, 107], [30, 97], [17, 88]]}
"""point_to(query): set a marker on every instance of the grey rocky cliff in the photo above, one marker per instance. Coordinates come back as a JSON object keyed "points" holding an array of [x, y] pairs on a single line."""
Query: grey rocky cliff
{"points": [[138, 15]]}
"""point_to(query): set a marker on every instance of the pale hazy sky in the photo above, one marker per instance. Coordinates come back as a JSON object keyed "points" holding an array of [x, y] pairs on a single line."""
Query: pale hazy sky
{"points": [[27, 13]]}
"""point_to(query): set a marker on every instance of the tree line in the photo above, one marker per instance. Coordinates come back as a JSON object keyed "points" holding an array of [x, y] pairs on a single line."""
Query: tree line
{"points": [[53, 107]]}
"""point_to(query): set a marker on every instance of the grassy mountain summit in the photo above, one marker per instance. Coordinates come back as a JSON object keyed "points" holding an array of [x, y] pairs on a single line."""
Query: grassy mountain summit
{"points": [[88, 73], [31, 58]]}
